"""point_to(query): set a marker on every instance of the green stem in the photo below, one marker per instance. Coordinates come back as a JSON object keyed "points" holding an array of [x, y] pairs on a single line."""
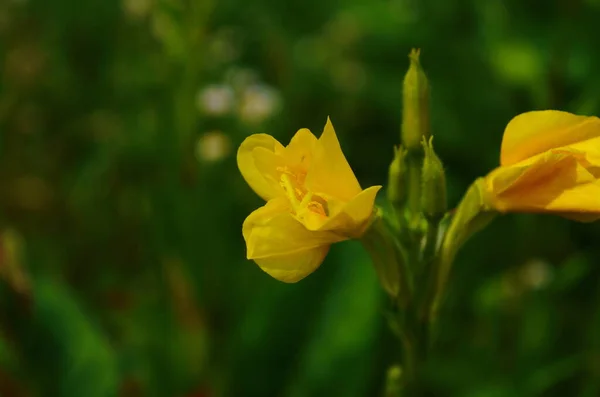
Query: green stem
{"points": [[409, 358], [414, 340]]}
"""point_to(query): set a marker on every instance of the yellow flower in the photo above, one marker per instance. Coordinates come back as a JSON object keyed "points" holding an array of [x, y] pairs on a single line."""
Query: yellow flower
{"points": [[313, 201], [549, 162]]}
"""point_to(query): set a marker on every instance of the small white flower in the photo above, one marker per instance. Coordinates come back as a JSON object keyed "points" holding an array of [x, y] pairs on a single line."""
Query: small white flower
{"points": [[213, 146], [215, 99], [258, 103]]}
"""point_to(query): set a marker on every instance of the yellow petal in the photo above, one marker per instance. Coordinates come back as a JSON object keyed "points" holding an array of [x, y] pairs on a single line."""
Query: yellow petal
{"points": [[272, 230], [582, 197], [281, 245], [552, 182], [329, 172], [535, 132], [293, 267], [301, 148], [247, 165], [352, 218], [589, 151], [269, 166]]}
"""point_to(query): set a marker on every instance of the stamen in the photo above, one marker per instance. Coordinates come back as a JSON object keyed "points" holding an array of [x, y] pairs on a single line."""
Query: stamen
{"points": [[303, 203], [288, 187], [306, 200], [317, 208]]}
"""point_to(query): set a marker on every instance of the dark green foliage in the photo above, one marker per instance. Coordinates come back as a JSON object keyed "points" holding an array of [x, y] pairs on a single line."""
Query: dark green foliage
{"points": [[125, 193]]}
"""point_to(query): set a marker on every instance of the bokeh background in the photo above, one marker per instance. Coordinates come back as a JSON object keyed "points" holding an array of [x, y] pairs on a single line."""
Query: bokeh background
{"points": [[122, 261]]}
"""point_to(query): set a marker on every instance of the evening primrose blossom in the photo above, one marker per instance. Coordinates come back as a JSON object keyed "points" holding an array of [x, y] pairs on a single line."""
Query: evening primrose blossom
{"points": [[549, 162], [313, 200]]}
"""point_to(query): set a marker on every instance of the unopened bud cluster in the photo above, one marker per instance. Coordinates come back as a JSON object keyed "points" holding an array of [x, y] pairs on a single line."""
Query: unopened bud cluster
{"points": [[417, 183]]}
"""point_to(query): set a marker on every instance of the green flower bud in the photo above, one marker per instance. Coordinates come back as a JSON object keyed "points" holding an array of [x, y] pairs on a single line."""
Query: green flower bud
{"points": [[415, 101], [433, 191], [397, 178]]}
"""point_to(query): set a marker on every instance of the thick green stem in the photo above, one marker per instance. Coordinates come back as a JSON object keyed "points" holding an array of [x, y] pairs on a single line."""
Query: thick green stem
{"points": [[409, 358], [414, 340]]}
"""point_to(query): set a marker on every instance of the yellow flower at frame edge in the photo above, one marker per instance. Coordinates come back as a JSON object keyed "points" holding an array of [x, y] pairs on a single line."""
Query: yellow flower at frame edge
{"points": [[549, 162], [313, 201]]}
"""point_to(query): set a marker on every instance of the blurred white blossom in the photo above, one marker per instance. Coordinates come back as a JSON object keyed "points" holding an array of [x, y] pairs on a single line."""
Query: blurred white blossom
{"points": [[215, 99], [213, 146], [258, 103]]}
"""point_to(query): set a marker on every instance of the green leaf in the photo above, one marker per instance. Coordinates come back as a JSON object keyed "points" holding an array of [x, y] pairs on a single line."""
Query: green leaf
{"points": [[72, 357]]}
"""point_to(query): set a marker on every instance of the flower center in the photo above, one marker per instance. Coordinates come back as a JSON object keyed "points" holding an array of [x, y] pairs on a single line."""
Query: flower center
{"points": [[304, 203]]}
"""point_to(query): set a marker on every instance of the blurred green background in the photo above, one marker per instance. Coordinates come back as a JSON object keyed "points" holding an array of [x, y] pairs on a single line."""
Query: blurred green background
{"points": [[122, 261]]}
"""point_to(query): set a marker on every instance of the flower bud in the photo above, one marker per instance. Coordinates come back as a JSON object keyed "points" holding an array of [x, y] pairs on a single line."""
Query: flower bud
{"points": [[415, 101], [433, 191], [397, 178]]}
